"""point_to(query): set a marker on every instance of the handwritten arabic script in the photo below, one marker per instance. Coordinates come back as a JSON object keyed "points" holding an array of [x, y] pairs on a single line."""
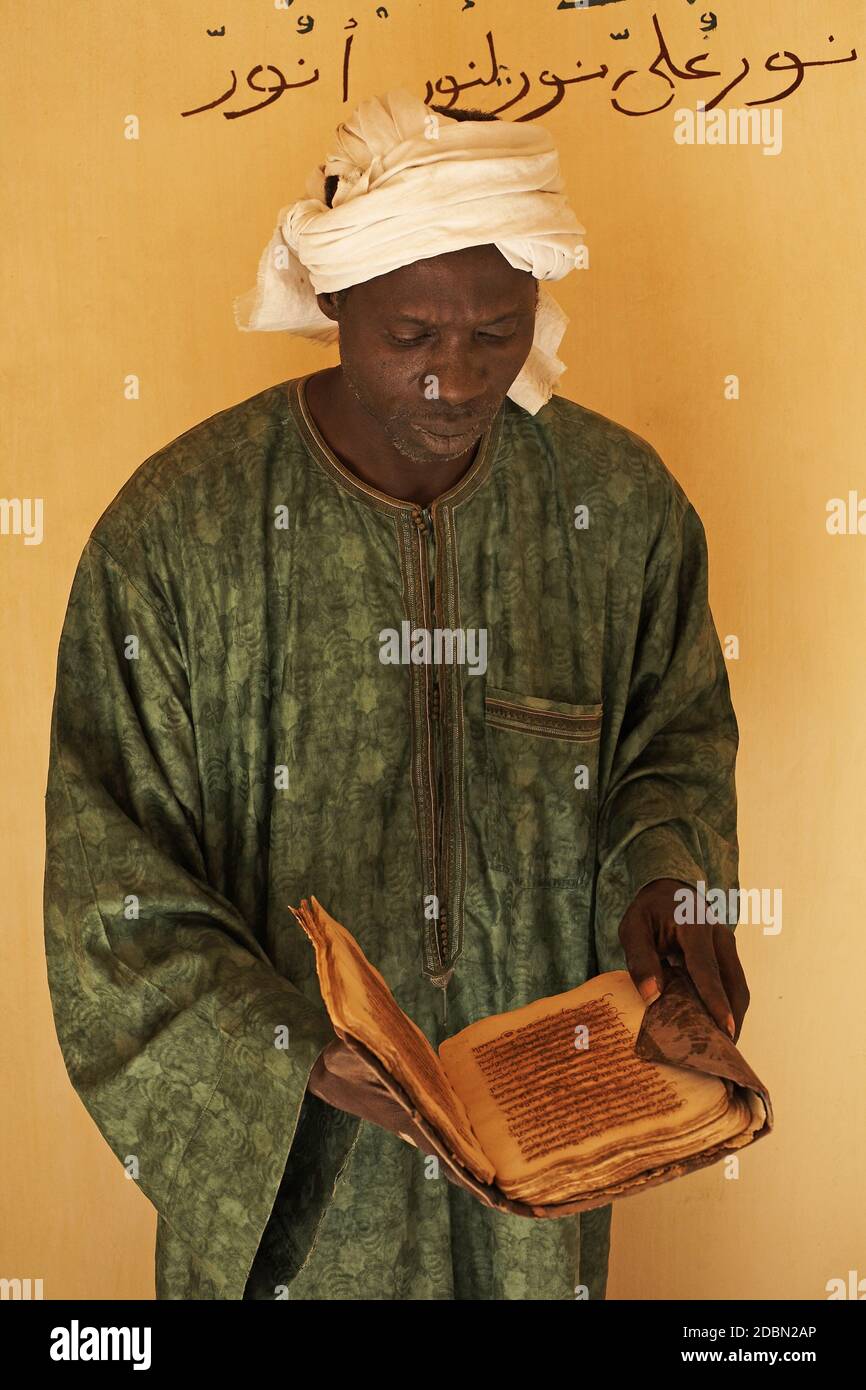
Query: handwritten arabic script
{"points": [[528, 97]]}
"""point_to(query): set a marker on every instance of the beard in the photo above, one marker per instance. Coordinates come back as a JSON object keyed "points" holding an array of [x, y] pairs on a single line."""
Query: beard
{"points": [[398, 427]]}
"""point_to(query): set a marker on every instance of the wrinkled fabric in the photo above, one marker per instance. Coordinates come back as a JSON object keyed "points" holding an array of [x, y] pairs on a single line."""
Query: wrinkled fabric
{"points": [[415, 184], [225, 740]]}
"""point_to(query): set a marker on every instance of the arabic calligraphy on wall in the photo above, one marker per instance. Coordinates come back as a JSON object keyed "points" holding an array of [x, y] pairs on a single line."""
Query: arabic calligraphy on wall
{"points": [[528, 93]]}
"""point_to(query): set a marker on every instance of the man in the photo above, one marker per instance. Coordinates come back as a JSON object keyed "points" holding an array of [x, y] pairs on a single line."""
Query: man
{"points": [[248, 712]]}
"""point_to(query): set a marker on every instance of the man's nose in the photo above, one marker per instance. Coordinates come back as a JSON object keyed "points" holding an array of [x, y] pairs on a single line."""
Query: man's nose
{"points": [[459, 377]]}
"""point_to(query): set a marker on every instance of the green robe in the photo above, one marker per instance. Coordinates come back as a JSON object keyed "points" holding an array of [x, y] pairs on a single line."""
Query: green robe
{"points": [[226, 740]]}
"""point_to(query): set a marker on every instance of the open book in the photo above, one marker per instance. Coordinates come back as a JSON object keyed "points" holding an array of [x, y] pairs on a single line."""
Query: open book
{"points": [[561, 1105]]}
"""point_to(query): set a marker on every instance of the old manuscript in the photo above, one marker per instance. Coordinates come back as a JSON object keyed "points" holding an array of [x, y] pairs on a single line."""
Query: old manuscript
{"points": [[553, 1107]]}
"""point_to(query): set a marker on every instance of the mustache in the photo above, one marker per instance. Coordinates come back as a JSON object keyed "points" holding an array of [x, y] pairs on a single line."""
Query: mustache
{"points": [[446, 424]]}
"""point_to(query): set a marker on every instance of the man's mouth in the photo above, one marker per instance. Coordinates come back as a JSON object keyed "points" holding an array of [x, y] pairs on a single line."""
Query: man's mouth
{"points": [[474, 430]]}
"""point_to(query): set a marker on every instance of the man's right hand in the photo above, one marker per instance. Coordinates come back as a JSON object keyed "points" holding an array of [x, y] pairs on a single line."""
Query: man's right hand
{"points": [[342, 1079]]}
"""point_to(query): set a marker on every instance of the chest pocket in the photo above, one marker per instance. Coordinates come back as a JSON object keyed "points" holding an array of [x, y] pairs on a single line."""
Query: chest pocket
{"points": [[542, 788]]}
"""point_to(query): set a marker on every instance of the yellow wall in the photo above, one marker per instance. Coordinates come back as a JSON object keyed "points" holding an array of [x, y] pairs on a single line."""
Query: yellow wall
{"points": [[123, 257]]}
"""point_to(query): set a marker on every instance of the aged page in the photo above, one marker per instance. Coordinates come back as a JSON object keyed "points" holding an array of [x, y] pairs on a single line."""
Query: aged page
{"points": [[553, 1116], [361, 1004]]}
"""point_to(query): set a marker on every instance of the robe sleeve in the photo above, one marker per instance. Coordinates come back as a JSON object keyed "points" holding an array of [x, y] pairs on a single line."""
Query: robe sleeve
{"points": [[669, 807], [188, 1050]]}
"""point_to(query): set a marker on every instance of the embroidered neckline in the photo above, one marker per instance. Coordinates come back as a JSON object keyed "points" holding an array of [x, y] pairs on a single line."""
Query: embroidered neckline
{"points": [[324, 456]]}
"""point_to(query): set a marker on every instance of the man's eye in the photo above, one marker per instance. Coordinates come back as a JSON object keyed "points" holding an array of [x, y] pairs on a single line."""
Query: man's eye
{"points": [[409, 342]]}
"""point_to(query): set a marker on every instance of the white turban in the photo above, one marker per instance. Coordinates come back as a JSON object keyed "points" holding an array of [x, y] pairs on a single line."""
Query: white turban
{"points": [[414, 184]]}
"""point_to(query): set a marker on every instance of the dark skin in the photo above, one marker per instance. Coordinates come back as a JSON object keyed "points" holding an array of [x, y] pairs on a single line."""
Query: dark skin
{"points": [[438, 343], [649, 932], [435, 343]]}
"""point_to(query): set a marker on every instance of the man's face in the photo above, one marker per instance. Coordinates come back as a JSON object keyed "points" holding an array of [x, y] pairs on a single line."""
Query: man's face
{"points": [[431, 349]]}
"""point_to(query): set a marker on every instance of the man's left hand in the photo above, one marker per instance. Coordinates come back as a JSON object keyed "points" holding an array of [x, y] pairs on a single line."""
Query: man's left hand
{"points": [[649, 931]]}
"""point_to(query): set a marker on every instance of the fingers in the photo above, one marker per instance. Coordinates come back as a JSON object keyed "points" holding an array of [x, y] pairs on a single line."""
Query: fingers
{"points": [[698, 946], [707, 950], [340, 1060], [732, 973], [350, 1084], [642, 962]]}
